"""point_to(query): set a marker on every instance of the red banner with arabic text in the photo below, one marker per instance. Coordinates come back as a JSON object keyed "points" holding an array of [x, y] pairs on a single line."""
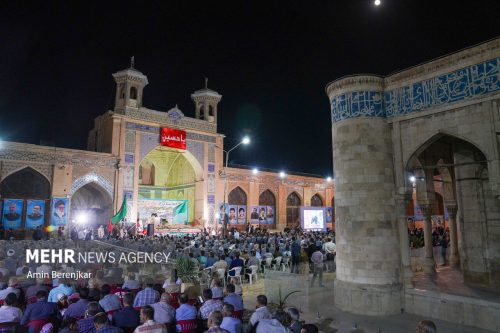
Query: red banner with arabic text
{"points": [[173, 138]]}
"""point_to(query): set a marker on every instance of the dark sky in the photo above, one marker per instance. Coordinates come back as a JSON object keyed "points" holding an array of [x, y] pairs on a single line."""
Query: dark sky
{"points": [[270, 60]]}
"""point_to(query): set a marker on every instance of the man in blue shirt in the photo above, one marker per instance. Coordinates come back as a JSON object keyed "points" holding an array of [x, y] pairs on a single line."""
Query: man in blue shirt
{"points": [[210, 260], [64, 288], [109, 302], [185, 311], [41, 309], [233, 325], [233, 298], [87, 325], [147, 296], [236, 262], [127, 317], [77, 310], [102, 325]]}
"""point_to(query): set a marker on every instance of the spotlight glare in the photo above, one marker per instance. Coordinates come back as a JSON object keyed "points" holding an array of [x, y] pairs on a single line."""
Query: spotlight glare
{"points": [[282, 174], [328, 179], [255, 171], [82, 217], [246, 140], [413, 179], [377, 2]]}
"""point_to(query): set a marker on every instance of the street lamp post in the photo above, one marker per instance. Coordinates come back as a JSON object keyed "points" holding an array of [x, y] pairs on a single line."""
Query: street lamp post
{"points": [[245, 141]]}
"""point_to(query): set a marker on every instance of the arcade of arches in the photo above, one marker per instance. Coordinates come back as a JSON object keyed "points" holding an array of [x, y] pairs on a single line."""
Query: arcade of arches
{"points": [[419, 150]]}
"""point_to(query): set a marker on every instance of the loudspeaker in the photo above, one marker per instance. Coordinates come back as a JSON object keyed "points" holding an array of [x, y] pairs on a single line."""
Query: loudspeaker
{"points": [[151, 229]]}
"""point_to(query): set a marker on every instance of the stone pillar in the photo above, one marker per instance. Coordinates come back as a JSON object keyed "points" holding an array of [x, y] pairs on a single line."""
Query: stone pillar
{"points": [[429, 263], [402, 202], [454, 257], [471, 222], [368, 254]]}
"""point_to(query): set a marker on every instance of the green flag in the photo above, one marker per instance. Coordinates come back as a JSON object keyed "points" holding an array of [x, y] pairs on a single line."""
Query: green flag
{"points": [[179, 213], [121, 213]]}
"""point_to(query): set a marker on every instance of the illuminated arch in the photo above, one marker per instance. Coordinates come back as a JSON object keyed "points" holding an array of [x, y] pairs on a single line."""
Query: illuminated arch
{"points": [[89, 178]]}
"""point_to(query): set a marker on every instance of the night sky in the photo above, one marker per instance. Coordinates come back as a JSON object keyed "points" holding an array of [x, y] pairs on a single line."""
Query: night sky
{"points": [[270, 60]]}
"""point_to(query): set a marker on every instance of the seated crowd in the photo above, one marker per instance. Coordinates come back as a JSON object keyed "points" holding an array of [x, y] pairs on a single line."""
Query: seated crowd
{"points": [[115, 300]]}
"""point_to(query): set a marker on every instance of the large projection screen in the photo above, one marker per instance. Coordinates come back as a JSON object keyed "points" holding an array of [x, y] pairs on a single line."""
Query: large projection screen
{"points": [[313, 218]]}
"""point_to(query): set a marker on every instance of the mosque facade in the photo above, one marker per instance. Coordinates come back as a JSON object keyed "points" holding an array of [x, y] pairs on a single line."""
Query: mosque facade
{"points": [[161, 163]]}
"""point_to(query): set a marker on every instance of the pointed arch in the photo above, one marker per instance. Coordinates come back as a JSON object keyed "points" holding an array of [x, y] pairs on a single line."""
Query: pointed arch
{"points": [[294, 199], [25, 183], [237, 196], [89, 178], [419, 148], [133, 93], [317, 200], [293, 203], [267, 198], [93, 200], [148, 147]]}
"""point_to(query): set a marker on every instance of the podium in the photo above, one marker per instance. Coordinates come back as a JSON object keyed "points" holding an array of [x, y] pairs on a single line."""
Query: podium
{"points": [[151, 229]]}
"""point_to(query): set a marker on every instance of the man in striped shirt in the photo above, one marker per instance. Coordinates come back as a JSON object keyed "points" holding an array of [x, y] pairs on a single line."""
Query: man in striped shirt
{"points": [[147, 296]]}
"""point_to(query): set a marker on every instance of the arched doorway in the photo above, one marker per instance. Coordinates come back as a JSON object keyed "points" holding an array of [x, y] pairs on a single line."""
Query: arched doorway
{"points": [[237, 200], [25, 199], [267, 209], [293, 203], [167, 187], [26, 183], [316, 201], [452, 173], [91, 206]]}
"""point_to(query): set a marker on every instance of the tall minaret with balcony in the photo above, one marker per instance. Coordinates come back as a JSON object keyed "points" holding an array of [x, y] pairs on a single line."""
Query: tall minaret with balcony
{"points": [[129, 86], [205, 103]]}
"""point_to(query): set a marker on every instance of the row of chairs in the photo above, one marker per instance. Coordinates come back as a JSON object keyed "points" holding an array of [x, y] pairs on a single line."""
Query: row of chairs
{"points": [[278, 263]]}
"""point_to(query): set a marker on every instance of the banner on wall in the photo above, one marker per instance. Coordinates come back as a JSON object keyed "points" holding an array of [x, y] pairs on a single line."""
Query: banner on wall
{"points": [[262, 214], [242, 214], [59, 212], [174, 138], [233, 218], [35, 213], [254, 214], [418, 215], [329, 214], [270, 214], [12, 213], [223, 211], [172, 211]]}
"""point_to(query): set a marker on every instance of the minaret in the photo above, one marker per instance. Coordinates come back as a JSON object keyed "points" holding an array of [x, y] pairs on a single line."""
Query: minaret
{"points": [[129, 85], [205, 103]]}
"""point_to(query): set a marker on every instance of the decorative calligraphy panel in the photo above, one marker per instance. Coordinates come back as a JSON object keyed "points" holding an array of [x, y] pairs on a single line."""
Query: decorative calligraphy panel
{"points": [[357, 104], [462, 84]]}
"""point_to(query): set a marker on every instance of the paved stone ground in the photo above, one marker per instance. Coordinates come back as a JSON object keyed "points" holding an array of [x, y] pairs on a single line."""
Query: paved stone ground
{"points": [[316, 306]]}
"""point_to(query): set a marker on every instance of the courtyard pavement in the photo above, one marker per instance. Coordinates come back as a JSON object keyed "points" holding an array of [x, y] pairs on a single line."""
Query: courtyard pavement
{"points": [[317, 307]]}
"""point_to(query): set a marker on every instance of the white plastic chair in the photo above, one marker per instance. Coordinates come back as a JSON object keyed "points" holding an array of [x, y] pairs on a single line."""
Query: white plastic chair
{"points": [[277, 263], [268, 264], [237, 274], [207, 273], [222, 272], [254, 271], [286, 263]]}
